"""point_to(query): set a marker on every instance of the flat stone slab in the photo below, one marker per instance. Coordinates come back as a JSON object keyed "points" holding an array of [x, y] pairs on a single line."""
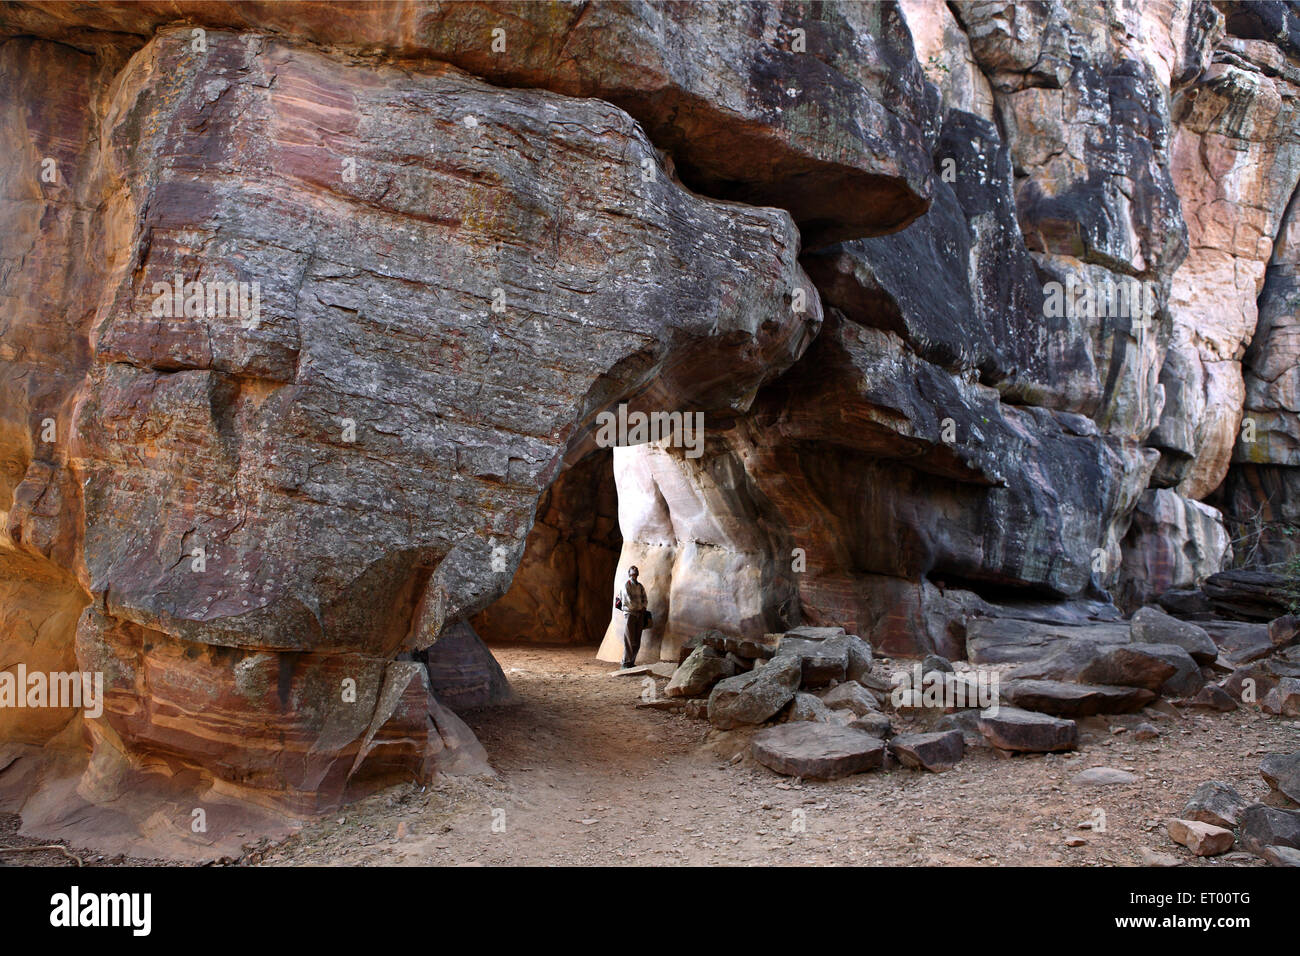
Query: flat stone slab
{"points": [[817, 751], [1025, 731], [1064, 699], [660, 669], [996, 640], [662, 703], [935, 752], [636, 671], [810, 633], [1164, 668], [1103, 777]]}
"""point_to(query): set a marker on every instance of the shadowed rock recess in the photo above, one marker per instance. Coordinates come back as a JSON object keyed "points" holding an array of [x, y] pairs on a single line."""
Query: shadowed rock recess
{"points": [[310, 313]]}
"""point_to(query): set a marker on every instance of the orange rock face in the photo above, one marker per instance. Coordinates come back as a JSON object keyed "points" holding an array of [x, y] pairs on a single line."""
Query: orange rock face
{"points": [[330, 330], [309, 313]]}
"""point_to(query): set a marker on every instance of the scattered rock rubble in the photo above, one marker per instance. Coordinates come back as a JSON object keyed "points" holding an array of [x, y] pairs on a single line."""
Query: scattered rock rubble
{"points": [[818, 705]]}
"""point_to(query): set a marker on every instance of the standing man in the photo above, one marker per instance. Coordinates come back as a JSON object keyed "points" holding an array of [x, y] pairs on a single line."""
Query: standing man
{"points": [[634, 604]]}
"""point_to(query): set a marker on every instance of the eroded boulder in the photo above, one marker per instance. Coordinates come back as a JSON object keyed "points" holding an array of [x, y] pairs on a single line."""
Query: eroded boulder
{"points": [[1282, 773], [1217, 803], [1065, 699], [935, 752], [756, 696], [1150, 625], [697, 674], [1027, 732]]}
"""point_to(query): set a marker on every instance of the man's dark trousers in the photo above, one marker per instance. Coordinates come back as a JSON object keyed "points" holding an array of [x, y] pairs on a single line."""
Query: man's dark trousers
{"points": [[632, 637]]}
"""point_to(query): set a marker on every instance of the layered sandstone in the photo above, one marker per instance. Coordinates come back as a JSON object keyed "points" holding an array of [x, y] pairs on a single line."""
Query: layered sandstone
{"points": [[310, 312]]}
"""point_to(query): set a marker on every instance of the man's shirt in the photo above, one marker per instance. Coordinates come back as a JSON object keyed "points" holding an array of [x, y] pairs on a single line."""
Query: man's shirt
{"points": [[633, 596]]}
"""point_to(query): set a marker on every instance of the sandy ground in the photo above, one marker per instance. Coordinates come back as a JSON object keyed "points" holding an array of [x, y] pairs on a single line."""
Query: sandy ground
{"points": [[585, 778]]}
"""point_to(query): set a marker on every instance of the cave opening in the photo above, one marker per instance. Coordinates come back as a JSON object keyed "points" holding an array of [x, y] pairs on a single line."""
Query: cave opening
{"points": [[563, 590]]}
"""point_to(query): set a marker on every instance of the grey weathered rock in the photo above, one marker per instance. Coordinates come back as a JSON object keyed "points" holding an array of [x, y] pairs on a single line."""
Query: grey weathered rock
{"points": [[1203, 839], [1137, 662], [755, 696], [699, 672], [749, 648], [1150, 625], [844, 150], [858, 667], [933, 662], [1239, 642], [850, 696], [636, 670], [817, 751], [661, 703], [872, 722], [1248, 594], [463, 674], [1189, 604], [935, 752], [1282, 773], [966, 721], [1214, 697], [1166, 668], [1145, 731], [806, 707], [1132, 140], [1103, 777], [1252, 681], [822, 661], [1263, 826], [1065, 699], [1152, 857], [1285, 630], [1025, 731], [742, 663], [1281, 855], [1217, 803], [843, 717], [810, 633], [1008, 641], [689, 645], [1284, 699]]}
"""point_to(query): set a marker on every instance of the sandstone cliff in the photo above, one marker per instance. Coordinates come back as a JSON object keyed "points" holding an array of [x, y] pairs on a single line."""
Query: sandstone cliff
{"points": [[310, 312]]}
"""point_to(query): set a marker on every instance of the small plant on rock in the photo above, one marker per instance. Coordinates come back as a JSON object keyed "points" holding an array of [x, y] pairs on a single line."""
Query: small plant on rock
{"points": [[1291, 576]]}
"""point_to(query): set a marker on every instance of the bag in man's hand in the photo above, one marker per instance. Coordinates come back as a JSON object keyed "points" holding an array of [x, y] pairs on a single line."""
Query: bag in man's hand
{"points": [[649, 620]]}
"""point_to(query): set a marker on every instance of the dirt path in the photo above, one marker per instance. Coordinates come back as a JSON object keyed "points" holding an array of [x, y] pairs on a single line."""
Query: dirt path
{"points": [[584, 778]]}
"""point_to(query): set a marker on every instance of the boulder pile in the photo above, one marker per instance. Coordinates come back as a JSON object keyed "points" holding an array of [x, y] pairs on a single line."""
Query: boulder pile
{"points": [[1217, 817], [818, 704]]}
